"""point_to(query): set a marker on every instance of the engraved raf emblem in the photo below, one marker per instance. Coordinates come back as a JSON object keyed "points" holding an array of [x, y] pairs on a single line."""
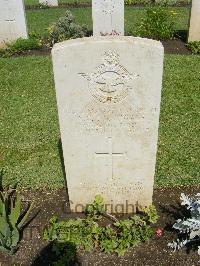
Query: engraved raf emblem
{"points": [[109, 83], [108, 6]]}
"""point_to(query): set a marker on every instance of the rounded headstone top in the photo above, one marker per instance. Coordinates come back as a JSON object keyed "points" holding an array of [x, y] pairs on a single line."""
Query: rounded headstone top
{"points": [[105, 39]]}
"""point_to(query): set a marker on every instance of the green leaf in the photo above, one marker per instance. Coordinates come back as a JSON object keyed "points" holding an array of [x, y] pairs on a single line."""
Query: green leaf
{"points": [[4, 227], [25, 217], [5, 249], [4, 205], [15, 237], [15, 210], [2, 240], [1, 203]]}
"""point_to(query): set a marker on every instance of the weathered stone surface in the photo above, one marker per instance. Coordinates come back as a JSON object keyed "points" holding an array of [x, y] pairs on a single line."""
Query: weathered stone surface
{"points": [[108, 94], [12, 20], [49, 2], [194, 29], [108, 17]]}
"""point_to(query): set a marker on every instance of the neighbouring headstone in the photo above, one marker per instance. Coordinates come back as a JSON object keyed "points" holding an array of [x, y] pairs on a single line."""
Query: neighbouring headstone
{"points": [[49, 2], [108, 95], [108, 17], [194, 28], [12, 20]]}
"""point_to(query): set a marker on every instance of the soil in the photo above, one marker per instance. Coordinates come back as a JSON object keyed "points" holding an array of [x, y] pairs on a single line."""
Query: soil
{"points": [[35, 251], [174, 46]]}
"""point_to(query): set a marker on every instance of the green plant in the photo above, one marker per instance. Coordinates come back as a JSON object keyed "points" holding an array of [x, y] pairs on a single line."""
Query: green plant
{"points": [[43, 5], [87, 234], [66, 28], [11, 220], [96, 208], [171, 2], [135, 2], [194, 47], [189, 228], [20, 46], [158, 23]]}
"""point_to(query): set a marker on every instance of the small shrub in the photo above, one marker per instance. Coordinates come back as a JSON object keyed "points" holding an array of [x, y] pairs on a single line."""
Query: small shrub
{"points": [[96, 209], [172, 2], [87, 234], [189, 228], [158, 23], [66, 28], [43, 5], [136, 2], [11, 220], [194, 47], [20, 46]]}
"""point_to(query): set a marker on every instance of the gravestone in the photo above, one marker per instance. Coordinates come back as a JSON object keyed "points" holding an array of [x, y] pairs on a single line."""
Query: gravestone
{"points": [[194, 28], [108, 17], [49, 2], [108, 94], [12, 20]]}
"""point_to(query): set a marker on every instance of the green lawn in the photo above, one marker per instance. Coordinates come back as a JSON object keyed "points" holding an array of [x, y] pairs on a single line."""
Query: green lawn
{"points": [[39, 20], [29, 149]]}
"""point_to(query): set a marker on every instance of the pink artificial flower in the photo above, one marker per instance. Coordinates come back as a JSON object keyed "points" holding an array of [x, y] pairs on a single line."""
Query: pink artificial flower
{"points": [[159, 232]]}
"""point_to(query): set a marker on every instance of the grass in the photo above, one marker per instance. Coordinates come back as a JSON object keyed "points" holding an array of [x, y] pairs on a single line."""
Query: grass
{"points": [[30, 151], [39, 20]]}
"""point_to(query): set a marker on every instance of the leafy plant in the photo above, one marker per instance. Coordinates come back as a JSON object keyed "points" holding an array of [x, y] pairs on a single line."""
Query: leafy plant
{"points": [[20, 46], [66, 28], [194, 47], [11, 220], [96, 208], [134, 2], [171, 2], [158, 23], [43, 5], [189, 228], [87, 234]]}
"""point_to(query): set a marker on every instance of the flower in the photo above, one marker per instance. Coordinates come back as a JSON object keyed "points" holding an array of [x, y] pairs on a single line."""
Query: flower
{"points": [[174, 13], [159, 232]]}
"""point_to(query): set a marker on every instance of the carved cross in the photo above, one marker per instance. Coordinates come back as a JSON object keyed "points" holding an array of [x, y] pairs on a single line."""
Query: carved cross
{"points": [[110, 154]]}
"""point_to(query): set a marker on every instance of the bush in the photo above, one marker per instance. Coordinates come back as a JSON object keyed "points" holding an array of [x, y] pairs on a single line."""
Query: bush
{"points": [[194, 47], [20, 46], [87, 234], [65, 29], [158, 23], [136, 2], [157, 2], [189, 228], [172, 2], [11, 220]]}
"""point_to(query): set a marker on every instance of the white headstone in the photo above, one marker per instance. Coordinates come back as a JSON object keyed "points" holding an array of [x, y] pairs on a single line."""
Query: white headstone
{"points": [[49, 2], [194, 29], [108, 95], [108, 17], [12, 20]]}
